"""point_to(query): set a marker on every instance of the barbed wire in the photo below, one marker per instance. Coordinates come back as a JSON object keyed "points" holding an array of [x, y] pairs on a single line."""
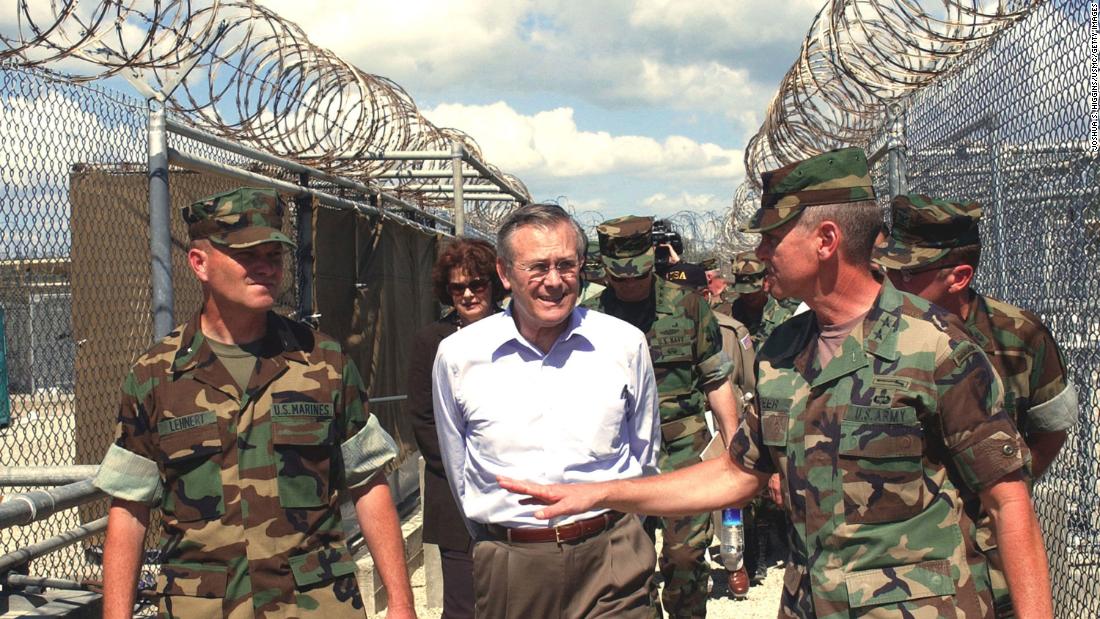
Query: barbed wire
{"points": [[858, 56], [250, 76]]}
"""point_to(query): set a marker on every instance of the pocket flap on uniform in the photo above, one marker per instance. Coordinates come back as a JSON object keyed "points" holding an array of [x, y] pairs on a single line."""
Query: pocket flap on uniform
{"points": [[321, 565], [301, 431], [192, 579], [673, 340], [885, 433], [192, 436], [773, 427], [899, 584]]}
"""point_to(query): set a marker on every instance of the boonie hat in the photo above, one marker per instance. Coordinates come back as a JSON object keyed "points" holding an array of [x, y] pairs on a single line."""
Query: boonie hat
{"points": [[240, 218], [926, 229], [835, 177]]}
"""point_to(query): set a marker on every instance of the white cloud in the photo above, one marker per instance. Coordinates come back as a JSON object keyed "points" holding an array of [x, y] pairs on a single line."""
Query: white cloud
{"points": [[610, 53], [721, 23], [41, 158], [550, 144], [436, 40], [704, 86], [664, 205]]}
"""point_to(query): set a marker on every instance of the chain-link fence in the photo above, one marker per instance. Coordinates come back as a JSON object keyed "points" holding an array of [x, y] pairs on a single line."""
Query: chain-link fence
{"points": [[54, 136], [1011, 128], [76, 285]]}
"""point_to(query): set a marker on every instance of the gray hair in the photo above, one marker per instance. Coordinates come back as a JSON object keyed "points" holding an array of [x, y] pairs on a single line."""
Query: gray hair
{"points": [[860, 222], [544, 216]]}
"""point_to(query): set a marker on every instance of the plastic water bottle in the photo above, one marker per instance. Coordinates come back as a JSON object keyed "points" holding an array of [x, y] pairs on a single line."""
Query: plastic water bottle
{"points": [[731, 539]]}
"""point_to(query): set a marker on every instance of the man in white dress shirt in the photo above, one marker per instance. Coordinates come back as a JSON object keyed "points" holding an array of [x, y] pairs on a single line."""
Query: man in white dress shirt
{"points": [[555, 393]]}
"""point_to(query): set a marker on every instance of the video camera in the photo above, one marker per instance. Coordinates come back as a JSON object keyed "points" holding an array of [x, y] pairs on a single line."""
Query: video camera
{"points": [[664, 234]]}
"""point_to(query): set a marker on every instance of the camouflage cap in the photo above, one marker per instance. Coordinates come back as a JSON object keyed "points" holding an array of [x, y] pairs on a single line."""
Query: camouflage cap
{"points": [[240, 218], [626, 245], [748, 273], [691, 275], [835, 177], [925, 229], [709, 263]]}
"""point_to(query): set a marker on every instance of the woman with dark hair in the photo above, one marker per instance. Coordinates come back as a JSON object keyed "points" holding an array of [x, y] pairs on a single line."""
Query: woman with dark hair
{"points": [[465, 278]]}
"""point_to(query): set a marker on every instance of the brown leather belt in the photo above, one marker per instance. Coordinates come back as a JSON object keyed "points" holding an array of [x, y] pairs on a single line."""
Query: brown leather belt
{"points": [[563, 533]]}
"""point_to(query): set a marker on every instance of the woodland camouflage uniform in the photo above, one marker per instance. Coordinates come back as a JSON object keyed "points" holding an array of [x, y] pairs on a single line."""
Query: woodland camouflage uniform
{"points": [[686, 348], [248, 481], [929, 233], [877, 450]]}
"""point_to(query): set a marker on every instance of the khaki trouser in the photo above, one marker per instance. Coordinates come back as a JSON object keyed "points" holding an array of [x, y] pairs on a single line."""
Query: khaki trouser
{"points": [[607, 575]]}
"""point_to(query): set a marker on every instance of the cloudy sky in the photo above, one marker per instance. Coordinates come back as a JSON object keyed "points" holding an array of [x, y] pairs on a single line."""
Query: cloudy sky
{"points": [[614, 106]]}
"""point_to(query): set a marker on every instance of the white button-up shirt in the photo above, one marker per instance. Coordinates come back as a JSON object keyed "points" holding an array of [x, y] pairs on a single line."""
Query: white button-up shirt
{"points": [[584, 411]]}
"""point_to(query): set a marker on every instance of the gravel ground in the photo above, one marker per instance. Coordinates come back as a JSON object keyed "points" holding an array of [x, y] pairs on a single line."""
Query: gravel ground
{"points": [[762, 602]]}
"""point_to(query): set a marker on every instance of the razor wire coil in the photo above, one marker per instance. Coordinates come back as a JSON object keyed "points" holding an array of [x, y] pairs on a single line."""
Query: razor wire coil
{"points": [[251, 76]]}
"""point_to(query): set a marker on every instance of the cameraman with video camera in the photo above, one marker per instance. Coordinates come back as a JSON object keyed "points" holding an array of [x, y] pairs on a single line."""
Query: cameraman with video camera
{"points": [[667, 246], [692, 373]]}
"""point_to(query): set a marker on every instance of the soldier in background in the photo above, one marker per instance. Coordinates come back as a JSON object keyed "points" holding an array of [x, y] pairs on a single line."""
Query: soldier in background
{"points": [[592, 274], [745, 297], [247, 429], [737, 344], [881, 417], [692, 373], [933, 251], [749, 301]]}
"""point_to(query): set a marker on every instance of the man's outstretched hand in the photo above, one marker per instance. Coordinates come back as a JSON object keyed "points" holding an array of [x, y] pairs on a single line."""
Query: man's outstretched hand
{"points": [[559, 499]]}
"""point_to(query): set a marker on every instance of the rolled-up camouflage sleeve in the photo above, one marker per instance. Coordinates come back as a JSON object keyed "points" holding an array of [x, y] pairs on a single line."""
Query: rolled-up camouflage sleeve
{"points": [[747, 446], [367, 447], [129, 469], [713, 362], [1053, 405], [984, 443]]}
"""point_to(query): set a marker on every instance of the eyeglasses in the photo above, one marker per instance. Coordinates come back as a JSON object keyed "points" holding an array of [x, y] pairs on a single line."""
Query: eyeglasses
{"points": [[476, 286], [567, 269]]}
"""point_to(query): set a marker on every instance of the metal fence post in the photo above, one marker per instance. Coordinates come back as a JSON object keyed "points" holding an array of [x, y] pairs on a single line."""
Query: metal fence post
{"points": [[304, 216], [457, 155], [895, 150], [160, 231], [5, 406]]}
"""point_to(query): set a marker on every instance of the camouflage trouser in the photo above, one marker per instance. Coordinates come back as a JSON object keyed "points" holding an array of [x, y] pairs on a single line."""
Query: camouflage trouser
{"points": [[1001, 597], [992, 577], [763, 519], [683, 561]]}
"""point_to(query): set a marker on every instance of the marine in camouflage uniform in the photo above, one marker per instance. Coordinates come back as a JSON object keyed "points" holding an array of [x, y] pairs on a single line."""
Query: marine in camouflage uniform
{"points": [[248, 467], [933, 250], [686, 347]]}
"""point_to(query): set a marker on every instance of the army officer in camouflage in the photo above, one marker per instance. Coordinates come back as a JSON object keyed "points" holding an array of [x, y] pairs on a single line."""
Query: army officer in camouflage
{"points": [[692, 372], [246, 429], [933, 251], [881, 418]]}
